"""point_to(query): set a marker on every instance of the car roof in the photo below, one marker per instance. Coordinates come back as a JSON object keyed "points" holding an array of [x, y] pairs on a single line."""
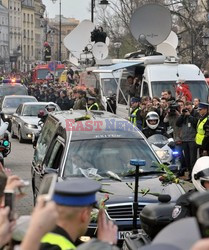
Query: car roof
{"points": [[39, 103], [110, 125], [19, 96]]}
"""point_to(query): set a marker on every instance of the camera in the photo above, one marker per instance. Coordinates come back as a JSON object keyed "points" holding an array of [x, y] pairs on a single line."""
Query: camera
{"points": [[173, 108], [184, 110]]}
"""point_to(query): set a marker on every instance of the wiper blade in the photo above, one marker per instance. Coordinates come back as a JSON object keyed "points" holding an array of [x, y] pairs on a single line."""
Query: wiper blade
{"points": [[142, 173]]}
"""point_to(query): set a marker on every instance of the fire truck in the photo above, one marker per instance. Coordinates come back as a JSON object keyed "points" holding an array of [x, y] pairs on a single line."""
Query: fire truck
{"points": [[41, 72]]}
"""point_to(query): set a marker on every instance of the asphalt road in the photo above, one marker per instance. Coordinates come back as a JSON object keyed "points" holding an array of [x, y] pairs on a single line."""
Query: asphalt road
{"points": [[19, 161]]}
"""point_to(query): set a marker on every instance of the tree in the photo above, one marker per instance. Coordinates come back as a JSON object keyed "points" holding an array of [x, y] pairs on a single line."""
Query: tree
{"points": [[189, 23]]}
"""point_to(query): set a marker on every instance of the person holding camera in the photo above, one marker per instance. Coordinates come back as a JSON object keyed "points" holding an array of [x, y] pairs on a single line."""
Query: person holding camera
{"points": [[187, 121]]}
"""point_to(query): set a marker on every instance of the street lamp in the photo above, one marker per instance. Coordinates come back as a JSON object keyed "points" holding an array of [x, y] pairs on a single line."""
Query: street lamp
{"points": [[103, 3], [60, 29]]}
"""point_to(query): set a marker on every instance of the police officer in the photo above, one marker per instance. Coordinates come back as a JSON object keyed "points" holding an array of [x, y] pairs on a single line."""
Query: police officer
{"points": [[135, 117], [93, 105], [74, 204], [200, 180], [202, 135]]}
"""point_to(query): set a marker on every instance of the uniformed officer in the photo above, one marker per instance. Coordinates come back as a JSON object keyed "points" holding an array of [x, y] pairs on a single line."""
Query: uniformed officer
{"points": [[135, 116], [74, 203], [93, 105], [202, 136], [200, 180]]}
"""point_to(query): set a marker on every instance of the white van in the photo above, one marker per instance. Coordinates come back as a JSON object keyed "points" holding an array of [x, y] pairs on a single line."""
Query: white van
{"points": [[157, 75]]}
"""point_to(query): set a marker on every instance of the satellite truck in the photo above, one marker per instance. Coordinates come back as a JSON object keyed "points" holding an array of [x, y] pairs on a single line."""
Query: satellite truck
{"points": [[157, 65]]}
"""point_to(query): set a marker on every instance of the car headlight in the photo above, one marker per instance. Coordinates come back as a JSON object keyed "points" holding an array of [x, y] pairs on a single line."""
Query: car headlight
{"points": [[31, 126], [7, 116], [162, 154]]}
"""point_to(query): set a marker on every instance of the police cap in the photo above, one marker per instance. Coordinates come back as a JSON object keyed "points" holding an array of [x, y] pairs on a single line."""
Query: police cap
{"points": [[134, 99], [76, 192], [203, 105], [91, 97]]}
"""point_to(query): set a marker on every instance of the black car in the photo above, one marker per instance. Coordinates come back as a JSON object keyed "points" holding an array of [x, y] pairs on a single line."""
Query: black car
{"points": [[100, 147]]}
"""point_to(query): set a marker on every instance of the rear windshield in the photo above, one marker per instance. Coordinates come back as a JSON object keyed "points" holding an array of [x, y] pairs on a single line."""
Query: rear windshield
{"points": [[15, 102], [13, 90]]}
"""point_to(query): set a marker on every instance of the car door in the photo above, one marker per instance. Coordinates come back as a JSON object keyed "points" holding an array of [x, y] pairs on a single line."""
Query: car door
{"points": [[16, 119], [46, 139]]}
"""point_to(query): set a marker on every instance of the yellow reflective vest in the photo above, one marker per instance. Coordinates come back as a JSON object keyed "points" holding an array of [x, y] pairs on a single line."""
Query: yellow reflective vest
{"points": [[59, 240], [94, 104], [200, 131], [133, 116]]}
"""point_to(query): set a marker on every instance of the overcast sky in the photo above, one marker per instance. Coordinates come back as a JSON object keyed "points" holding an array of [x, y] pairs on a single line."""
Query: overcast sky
{"points": [[78, 9]]}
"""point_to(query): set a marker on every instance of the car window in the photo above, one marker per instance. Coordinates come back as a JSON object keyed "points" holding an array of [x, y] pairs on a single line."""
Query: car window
{"points": [[15, 102], [55, 156], [32, 110], [103, 155], [18, 111], [13, 90], [45, 139], [145, 89]]}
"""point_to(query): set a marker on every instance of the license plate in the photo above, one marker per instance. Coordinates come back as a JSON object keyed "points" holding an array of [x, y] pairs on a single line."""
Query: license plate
{"points": [[123, 234]]}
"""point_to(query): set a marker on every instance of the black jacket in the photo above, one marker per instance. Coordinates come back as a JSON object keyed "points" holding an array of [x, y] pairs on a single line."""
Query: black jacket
{"points": [[159, 130], [65, 103]]}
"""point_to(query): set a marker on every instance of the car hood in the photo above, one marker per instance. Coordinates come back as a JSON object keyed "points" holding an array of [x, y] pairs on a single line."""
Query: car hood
{"points": [[30, 119], [121, 192], [9, 111]]}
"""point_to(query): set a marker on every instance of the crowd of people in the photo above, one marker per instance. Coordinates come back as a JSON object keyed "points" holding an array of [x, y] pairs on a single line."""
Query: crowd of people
{"points": [[185, 121]]}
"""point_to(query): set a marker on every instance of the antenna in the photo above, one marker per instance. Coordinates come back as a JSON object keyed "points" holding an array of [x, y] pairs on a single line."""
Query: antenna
{"points": [[100, 51], [151, 24], [79, 38]]}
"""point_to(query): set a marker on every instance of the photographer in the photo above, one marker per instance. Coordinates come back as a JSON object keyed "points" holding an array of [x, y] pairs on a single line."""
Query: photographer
{"points": [[187, 121], [173, 113]]}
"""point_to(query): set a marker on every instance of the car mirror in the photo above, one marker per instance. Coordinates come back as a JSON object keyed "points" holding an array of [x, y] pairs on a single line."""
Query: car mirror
{"points": [[173, 168]]}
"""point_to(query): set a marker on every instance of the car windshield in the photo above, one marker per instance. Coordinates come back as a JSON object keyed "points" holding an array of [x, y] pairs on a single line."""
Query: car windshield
{"points": [[109, 86], [42, 73], [13, 90], [198, 89], [102, 155], [32, 110], [15, 102]]}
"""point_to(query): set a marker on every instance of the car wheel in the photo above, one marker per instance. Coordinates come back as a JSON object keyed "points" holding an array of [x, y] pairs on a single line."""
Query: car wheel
{"points": [[21, 140], [12, 134]]}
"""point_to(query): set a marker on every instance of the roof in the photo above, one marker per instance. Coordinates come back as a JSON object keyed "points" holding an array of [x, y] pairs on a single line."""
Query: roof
{"points": [[39, 103], [101, 125], [112, 68], [19, 96]]}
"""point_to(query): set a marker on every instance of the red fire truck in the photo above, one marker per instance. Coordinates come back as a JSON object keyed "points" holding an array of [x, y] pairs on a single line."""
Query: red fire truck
{"points": [[40, 72]]}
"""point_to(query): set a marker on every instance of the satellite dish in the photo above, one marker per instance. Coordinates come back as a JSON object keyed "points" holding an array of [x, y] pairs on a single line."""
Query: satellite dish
{"points": [[172, 39], [167, 49], [100, 51], [151, 24], [79, 38]]}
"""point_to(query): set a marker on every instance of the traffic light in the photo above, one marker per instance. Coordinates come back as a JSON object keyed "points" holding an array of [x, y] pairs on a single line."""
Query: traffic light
{"points": [[47, 52]]}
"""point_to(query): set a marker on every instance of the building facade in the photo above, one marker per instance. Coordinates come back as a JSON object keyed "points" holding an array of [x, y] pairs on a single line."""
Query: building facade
{"points": [[15, 32], [39, 29], [67, 25], [4, 39]]}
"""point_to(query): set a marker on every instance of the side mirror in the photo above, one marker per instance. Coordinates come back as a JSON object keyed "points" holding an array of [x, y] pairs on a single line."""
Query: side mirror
{"points": [[173, 168], [35, 139]]}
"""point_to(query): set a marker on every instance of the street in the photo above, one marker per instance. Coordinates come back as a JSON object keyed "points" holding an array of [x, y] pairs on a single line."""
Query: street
{"points": [[19, 161]]}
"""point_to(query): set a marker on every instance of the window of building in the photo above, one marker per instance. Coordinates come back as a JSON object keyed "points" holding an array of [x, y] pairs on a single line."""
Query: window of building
{"points": [[31, 18], [24, 18], [28, 18]]}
